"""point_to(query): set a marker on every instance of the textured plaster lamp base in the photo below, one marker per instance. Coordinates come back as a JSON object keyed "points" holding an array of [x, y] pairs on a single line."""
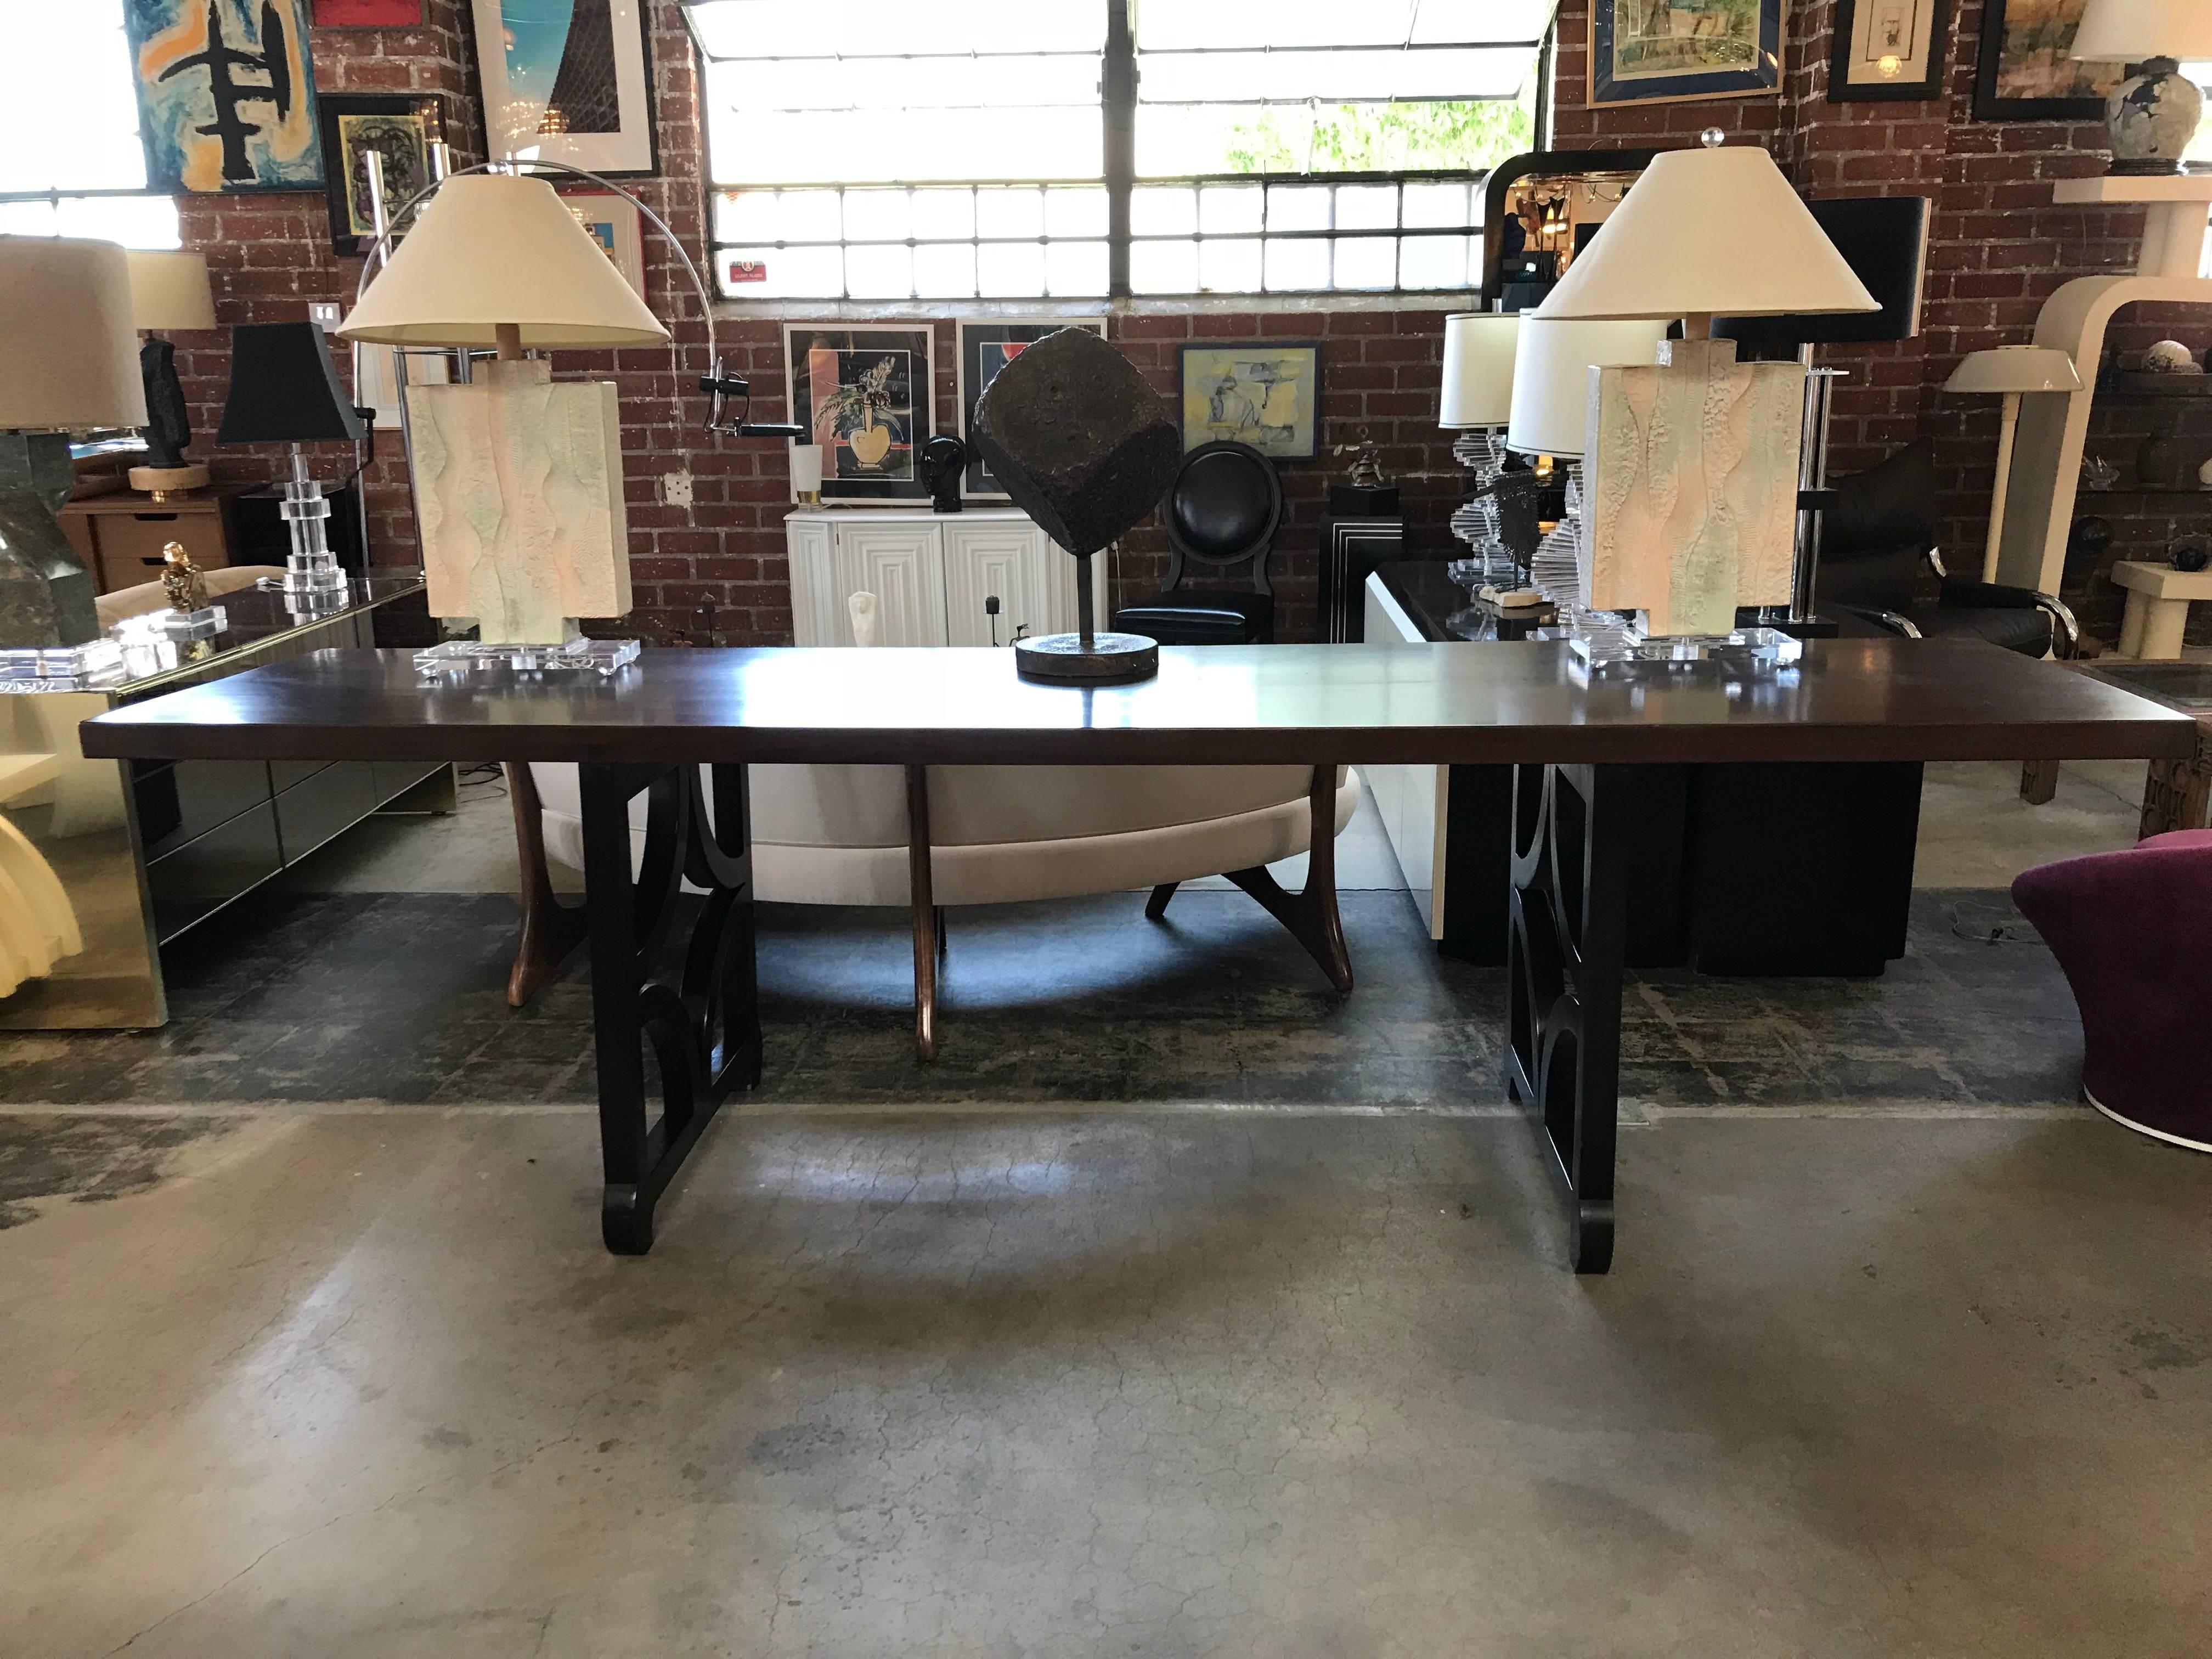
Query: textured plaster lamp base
{"points": [[1104, 659]]}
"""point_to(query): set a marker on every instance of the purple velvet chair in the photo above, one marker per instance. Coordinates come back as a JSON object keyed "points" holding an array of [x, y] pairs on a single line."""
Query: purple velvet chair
{"points": [[2133, 931]]}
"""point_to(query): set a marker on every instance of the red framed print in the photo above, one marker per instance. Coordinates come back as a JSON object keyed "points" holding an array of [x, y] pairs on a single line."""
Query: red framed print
{"points": [[370, 13]]}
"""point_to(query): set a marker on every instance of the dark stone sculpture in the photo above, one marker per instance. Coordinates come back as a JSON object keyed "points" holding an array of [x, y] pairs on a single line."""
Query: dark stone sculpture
{"points": [[1078, 440], [168, 426], [943, 460]]}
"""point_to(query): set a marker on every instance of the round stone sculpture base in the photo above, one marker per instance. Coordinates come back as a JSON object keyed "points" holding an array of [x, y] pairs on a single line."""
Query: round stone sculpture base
{"points": [[1108, 659]]}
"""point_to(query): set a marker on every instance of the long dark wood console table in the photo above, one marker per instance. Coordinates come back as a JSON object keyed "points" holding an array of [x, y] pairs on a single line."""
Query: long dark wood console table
{"points": [[691, 1001]]}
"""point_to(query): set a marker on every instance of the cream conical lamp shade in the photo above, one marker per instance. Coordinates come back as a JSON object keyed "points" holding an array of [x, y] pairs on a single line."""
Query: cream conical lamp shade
{"points": [[2132, 31], [1705, 233], [498, 248], [1478, 368], [1551, 377], [170, 291], [69, 354]]}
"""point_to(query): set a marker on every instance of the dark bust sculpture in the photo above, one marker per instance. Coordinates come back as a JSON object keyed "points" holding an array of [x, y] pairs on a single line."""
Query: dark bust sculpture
{"points": [[940, 464]]}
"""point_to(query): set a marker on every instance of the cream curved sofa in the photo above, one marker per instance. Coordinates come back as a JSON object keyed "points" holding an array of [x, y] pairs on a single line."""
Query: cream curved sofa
{"points": [[840, 834]]}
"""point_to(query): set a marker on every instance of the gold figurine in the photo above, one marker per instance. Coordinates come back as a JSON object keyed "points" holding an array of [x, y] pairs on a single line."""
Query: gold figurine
{"points": [[182, 581]]}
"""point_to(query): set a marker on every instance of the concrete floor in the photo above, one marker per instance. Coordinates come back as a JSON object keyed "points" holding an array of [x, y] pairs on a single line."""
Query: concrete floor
{"points": [[355, 1380]]}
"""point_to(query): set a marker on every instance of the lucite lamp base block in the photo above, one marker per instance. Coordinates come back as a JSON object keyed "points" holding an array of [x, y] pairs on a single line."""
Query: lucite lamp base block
{"points": [[578, 656], [1105, 659], [1745, 653]]}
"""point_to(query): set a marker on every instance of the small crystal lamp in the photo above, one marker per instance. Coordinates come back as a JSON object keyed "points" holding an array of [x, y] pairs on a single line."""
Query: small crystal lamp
{"points": [[518, 476], [69, 362], [1692, 474], [2154, 115], [1478, 396], [284, 390], [2014, 370], [168, 292]]}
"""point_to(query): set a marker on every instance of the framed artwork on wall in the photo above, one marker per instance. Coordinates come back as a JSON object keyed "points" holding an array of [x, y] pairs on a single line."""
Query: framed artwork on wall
{"points": [[226, 95], [987, 347], [1266, 393], [569, 83], [866, 395], [400, 126], [1889, 50], [1640, 53], [611, 221], [2024, 74], [370, 13]]}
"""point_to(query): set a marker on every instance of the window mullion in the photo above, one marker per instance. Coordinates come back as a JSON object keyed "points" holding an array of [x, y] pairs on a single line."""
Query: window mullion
{"points": [[1117, 91]]}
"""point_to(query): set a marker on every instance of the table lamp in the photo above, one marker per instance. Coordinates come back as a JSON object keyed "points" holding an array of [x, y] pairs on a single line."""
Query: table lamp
{"points": [[518, 478], [2153, 115], [284, 390], [69, 362], [2014, 370], [1691, 468], [168, 292], [1478, 396]]}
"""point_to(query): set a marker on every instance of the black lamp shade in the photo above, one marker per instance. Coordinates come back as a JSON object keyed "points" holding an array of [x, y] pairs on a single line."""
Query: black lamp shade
{"points": [[284, 389], [1884, 240]]}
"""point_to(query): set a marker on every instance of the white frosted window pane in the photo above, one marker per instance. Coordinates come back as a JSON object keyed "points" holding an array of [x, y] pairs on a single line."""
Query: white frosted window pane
{"points": [[793, 273], [1229, 208], [808, 216], [1010, 270], [1299, 207], [1164, 267], [746, 215], [1075, 212], [1163, 211], [753, 146], [743, 28], [1433, 261], [945, 213], [944, 272], [879, 85], [1301, 264], [133, 220], [1436, 205], [27, 219], [1367, 262], [1009, 212], [878, 216], [1166, 24], [1336, 77], [1229, 267], [879, 273], [69, 116], [1367, 207], [1075, 269]]}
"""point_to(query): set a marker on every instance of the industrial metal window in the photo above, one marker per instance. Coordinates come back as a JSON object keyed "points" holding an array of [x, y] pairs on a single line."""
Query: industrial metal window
{"points": [[1006, 149], [70, 162]]}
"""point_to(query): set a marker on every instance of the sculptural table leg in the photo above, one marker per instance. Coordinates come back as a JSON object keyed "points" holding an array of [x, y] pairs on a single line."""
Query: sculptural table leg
{"points": [[690, 1007], [1564, 960]]}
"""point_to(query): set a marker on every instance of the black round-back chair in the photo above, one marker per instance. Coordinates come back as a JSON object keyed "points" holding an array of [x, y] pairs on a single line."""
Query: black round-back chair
{"points": [[1222, 511]]}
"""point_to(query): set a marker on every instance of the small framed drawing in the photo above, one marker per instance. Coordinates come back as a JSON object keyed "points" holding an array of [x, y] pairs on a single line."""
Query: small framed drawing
{"points": [[2024, 73], [987, 347], [370, 14], [206, 131], [568, 83], [1640, 53], [611, 221], [1889, 50], [866, 395], [1266, 393], [400, 126]]}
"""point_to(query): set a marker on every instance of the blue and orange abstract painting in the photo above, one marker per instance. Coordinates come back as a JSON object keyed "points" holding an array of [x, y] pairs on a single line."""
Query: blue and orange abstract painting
{"points": [[225, 94]]}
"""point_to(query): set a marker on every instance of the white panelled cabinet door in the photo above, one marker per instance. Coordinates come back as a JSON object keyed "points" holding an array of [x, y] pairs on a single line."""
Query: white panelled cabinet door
{"points": [[996, 558], [903, 566], [817, 607]]}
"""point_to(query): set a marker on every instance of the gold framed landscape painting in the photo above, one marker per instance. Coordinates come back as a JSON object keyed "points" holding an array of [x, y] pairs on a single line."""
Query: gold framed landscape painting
{"points": [[1652, 51], [2025, 72]]}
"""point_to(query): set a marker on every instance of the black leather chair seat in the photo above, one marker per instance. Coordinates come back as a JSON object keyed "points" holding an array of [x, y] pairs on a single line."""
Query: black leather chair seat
{"points": [[1202, 617]]}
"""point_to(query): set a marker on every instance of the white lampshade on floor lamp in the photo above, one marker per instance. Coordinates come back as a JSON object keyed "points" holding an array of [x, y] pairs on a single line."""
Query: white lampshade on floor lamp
{"points": [[498, 260], [2153, 116], [2015, 371], [1692, 464]]}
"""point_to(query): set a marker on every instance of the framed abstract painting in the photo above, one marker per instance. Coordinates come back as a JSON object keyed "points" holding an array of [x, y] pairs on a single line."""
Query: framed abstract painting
{"points": [[226, 95], [370, 13], [400, 126], [1266, 393], [1889, 50], [612, 221], [570, 80], [1641, 53], [2024, 72], [867, 396], [986, 347]]}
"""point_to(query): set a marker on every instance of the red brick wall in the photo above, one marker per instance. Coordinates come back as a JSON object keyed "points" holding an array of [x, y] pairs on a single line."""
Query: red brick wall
{"points": [[1998, 248], [716, 570]]}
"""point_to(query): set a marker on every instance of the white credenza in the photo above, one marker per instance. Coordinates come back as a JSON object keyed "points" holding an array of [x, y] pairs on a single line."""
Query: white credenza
{"points": [[1410, 800], [931, 574]]}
